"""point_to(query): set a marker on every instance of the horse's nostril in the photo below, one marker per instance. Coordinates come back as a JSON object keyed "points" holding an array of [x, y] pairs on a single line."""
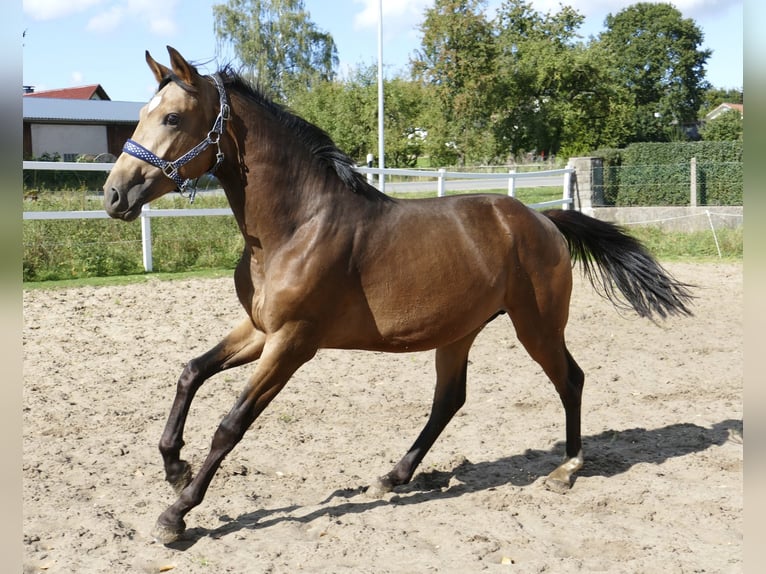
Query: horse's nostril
{"points": [[111, 197], [112, 200]]}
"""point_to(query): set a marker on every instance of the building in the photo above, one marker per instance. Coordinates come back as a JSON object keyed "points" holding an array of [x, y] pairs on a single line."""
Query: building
{"points": [[91, 92], [723, 108], [73, 122]]}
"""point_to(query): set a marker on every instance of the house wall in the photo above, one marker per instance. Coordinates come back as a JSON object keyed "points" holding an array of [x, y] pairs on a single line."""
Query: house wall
{"points": [[68, 139]]}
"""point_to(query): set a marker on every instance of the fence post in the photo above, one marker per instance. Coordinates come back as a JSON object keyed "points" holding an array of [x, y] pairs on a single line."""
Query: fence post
{"points": [[440, 182], [511, 183], [693, 182], [146, 237], [567, 192], [370, 177]]}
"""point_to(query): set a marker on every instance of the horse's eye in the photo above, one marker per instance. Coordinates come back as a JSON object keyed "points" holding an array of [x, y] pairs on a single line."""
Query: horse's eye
{"points": [[172, 119]]}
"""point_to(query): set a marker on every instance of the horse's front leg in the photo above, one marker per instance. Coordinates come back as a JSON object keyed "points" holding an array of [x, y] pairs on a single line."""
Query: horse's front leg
{"points": [[283, 353], [243, 345]]}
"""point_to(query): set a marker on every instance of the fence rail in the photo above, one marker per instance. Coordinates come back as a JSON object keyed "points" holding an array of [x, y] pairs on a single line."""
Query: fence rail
{"points": [[562, 177]]}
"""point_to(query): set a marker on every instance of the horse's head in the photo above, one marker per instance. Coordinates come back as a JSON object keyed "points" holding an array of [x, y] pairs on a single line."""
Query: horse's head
{"points": [[174, 142]]}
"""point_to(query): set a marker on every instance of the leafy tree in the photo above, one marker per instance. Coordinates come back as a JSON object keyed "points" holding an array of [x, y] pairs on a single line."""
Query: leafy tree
{"points": [[726, 127], [348, 111], [277, 43], [552, 93], [456, 62], [404, 105], [655, 54], [714, 97]]}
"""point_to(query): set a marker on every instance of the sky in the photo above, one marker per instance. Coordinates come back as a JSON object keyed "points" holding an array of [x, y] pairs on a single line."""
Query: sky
{"points": [[68, 43]]}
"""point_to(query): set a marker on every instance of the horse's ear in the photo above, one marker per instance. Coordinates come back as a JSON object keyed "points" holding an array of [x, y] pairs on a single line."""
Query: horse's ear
{"points": [[158, 69], [183, 69]]}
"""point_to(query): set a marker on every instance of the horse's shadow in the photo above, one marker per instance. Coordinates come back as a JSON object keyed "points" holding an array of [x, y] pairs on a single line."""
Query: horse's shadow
{"points": [[607, 454]]}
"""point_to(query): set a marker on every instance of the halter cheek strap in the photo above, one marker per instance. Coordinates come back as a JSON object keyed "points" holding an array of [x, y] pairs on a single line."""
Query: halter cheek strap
{"points": [[170, 168]]}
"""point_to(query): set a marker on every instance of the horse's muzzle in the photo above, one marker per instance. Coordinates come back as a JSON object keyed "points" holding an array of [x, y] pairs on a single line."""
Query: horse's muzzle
{"points": [[122, 203]]}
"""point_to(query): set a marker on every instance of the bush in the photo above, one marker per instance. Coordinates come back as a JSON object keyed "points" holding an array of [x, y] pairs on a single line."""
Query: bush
{"points": [[659, 173]]}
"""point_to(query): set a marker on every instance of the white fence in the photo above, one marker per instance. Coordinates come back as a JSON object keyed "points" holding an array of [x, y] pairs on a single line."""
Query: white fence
{"points": [[556, 177]]}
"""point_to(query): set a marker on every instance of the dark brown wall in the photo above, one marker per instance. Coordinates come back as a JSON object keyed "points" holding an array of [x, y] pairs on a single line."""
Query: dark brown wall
{"points": [[116, 136]]}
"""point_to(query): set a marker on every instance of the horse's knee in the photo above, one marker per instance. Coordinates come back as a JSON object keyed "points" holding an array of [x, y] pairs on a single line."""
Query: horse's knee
{"points": [[191, 376], [228, 434]]}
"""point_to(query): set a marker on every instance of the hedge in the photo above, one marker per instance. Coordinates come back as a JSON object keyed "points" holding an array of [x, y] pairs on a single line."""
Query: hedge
{"points": [[659, 173]]}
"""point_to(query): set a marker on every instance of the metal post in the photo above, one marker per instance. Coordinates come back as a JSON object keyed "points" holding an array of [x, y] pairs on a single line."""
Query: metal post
{"points": [[440, 182], [146, 237], [511, 183], [381, 138]]}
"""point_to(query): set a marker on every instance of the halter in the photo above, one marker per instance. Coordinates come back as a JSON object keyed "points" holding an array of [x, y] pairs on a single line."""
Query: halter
{"points": [[170, 168]]}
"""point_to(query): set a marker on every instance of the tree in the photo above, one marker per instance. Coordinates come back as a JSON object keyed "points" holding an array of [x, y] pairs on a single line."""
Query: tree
{"points": [[552, 93], [726, 127], [655, 54], [347, 110], [714, 97], [277, 43], [456, 64]]}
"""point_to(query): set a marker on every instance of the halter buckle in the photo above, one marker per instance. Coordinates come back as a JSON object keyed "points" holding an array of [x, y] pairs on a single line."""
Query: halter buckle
{"points": [[170, 170], [225, 111]]}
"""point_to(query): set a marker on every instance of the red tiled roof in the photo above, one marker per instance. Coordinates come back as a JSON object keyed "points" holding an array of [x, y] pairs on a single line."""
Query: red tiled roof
{"points": [[725, 107], [92, 92]]}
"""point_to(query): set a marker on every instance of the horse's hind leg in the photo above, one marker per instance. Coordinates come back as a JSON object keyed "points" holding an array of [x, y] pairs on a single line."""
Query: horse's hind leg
{"points": [[570, 392], [449, 396], [543, 338], [243, 345]]}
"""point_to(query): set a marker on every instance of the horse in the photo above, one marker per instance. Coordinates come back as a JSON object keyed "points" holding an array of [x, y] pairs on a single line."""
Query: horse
{"points": [[331, 262]]}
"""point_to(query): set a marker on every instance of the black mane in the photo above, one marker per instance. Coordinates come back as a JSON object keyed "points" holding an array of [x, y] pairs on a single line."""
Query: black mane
{"points": [[318, 142]]}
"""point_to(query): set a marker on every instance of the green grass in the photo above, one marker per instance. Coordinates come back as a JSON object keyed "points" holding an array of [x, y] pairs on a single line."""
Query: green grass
{"points": [[690, 246], [73, 249], [106, 251]]}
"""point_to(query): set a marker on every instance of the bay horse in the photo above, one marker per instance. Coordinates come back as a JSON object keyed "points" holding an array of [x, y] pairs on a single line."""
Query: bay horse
{"points": [[331, 262]]}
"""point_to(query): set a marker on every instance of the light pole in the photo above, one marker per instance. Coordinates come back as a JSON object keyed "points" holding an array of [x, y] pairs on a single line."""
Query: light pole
{"points": [[381, 139]]}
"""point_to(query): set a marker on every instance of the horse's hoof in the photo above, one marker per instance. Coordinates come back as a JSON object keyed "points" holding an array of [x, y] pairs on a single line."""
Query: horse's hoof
{"points": [[181, 478], [166, 534], [557, 485], [379, 488], [560, 480]]}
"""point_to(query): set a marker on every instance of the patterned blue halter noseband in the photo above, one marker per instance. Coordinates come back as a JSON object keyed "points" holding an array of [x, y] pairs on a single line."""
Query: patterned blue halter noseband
{"points": [[170, 168]]}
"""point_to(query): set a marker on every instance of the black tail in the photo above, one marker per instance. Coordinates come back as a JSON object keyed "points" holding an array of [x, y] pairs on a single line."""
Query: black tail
{"points": [[622, 262]]}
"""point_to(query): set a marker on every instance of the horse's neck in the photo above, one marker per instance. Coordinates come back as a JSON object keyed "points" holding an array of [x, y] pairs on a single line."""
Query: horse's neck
{"points": [[267, 179]]}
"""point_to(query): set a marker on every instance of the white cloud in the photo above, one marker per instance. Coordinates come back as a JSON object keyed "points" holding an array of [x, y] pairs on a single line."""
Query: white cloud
{"points": [[162, 26], [157, 15], [77, 78], [53, 9], [397, 13], [106, 21]]}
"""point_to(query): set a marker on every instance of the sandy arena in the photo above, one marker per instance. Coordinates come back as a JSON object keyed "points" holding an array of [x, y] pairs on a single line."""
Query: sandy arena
{"points": [[661, 490]]}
